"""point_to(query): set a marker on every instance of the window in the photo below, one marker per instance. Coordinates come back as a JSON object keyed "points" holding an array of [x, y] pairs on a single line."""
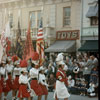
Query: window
{"points": [[94, 21], [67, 15], [35, 18], [11, 20]]}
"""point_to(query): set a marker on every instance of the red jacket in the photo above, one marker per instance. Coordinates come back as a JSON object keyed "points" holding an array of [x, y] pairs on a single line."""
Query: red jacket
{"points": [[61, 76]]}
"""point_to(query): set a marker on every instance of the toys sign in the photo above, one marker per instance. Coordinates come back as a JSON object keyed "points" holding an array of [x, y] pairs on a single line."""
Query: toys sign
{"points": [[67, 35]]}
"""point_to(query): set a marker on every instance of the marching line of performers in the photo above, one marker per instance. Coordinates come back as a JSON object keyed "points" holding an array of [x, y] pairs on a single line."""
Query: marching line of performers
{"points": [[27, 84]]}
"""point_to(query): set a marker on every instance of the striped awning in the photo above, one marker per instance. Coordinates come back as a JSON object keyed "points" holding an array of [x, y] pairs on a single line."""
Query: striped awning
{"points": [[62, 46], [92, 12]]}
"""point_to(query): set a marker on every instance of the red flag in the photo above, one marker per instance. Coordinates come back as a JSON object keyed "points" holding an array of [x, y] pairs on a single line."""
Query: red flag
{"points": [[8, 43], [28, 49], [40, 44]]}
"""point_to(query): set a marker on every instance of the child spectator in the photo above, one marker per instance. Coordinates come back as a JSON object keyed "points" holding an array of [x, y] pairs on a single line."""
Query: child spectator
{"points": [[51, 82]]}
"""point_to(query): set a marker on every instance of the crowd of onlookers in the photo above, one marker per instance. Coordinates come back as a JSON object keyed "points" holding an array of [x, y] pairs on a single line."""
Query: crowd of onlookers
{"points": [[82, 73]]}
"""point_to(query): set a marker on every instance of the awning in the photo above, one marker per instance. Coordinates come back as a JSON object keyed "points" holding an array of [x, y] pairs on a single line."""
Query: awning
{"points": [[90, 45], [92, 12], [62, 46]]}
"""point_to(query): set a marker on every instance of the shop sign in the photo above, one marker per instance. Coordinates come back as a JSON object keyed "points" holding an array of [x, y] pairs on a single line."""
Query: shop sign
{"points": [[67, 35]]}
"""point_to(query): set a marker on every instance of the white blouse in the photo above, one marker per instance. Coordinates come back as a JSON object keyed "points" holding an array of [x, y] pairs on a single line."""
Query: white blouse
{"points": [[23, 79], [34, 73]]}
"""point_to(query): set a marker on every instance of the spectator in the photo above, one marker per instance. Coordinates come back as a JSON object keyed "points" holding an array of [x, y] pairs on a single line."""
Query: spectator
{"points": [[94, 75], [51, 82], [91, 90], [95, 61], [87, 69]]}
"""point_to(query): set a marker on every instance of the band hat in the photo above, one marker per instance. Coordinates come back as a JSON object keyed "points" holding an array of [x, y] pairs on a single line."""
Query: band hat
{"points": [[35, 62], [24, 70], [59, 57], [42, 68], [60, 63]]}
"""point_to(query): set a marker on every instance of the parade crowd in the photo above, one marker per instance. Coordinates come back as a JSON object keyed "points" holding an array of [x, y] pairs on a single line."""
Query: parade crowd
{"points": [[61, 74]]}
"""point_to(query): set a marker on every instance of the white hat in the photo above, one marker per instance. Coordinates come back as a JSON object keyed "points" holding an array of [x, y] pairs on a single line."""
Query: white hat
{"points": [[35, 62], [60, 63], [24, 70], [42, 68], [65, 67], [60, 57]]}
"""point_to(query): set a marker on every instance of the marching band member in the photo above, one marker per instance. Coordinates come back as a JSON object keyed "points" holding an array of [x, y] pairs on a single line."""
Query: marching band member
{"points": [[9, 68], [61, 90], [0, 85], [34, 73], [16, 73], [4, 84], [42, 82], [61, 82], [23, 81]]}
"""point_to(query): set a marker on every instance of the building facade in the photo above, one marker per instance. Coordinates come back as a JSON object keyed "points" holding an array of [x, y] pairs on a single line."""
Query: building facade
{"points": [[89, 25], [57, 15]]}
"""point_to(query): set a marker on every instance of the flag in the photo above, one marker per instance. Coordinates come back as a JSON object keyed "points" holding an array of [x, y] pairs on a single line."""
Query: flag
{"points": [[40, 44], [19, 42], [1, 51], [2, 44], [8, 47], [28, 48]]}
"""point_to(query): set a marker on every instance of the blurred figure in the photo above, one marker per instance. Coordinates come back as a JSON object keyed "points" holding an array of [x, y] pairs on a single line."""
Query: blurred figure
{"points": [[51, 82]]}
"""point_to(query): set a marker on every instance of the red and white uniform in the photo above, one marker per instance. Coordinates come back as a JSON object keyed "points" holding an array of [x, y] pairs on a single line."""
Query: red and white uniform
{"points": [[5, 86], [61, 89], [9, 69], [34, 83], [0, 86], [23, 92], [16, 74], [43, 84]]}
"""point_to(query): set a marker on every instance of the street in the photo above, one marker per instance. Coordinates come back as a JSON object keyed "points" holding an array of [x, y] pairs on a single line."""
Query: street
{"points": [[72, 97]]}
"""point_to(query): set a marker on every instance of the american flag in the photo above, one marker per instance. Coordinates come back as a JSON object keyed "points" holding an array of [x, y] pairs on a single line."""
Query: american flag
{"points": [[40, 44]]}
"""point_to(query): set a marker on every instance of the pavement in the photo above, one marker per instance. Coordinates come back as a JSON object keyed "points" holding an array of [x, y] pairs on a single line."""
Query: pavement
{"points": [[50, 97]]}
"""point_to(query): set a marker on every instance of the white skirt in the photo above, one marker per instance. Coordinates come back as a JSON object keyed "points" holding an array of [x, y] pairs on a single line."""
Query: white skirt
{"points": [[61, 90]]}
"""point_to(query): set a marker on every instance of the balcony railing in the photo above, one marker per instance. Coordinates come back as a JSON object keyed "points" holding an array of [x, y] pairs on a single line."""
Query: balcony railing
{"points": [[90, 31], [33, 31]]}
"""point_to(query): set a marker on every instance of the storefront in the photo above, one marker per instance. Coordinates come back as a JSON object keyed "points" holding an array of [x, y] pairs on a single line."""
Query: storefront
{"points": [[65, 42]]}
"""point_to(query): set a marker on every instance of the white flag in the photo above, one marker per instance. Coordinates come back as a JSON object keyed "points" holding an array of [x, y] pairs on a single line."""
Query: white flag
{"points": [[7, 30], [1, 51]]}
